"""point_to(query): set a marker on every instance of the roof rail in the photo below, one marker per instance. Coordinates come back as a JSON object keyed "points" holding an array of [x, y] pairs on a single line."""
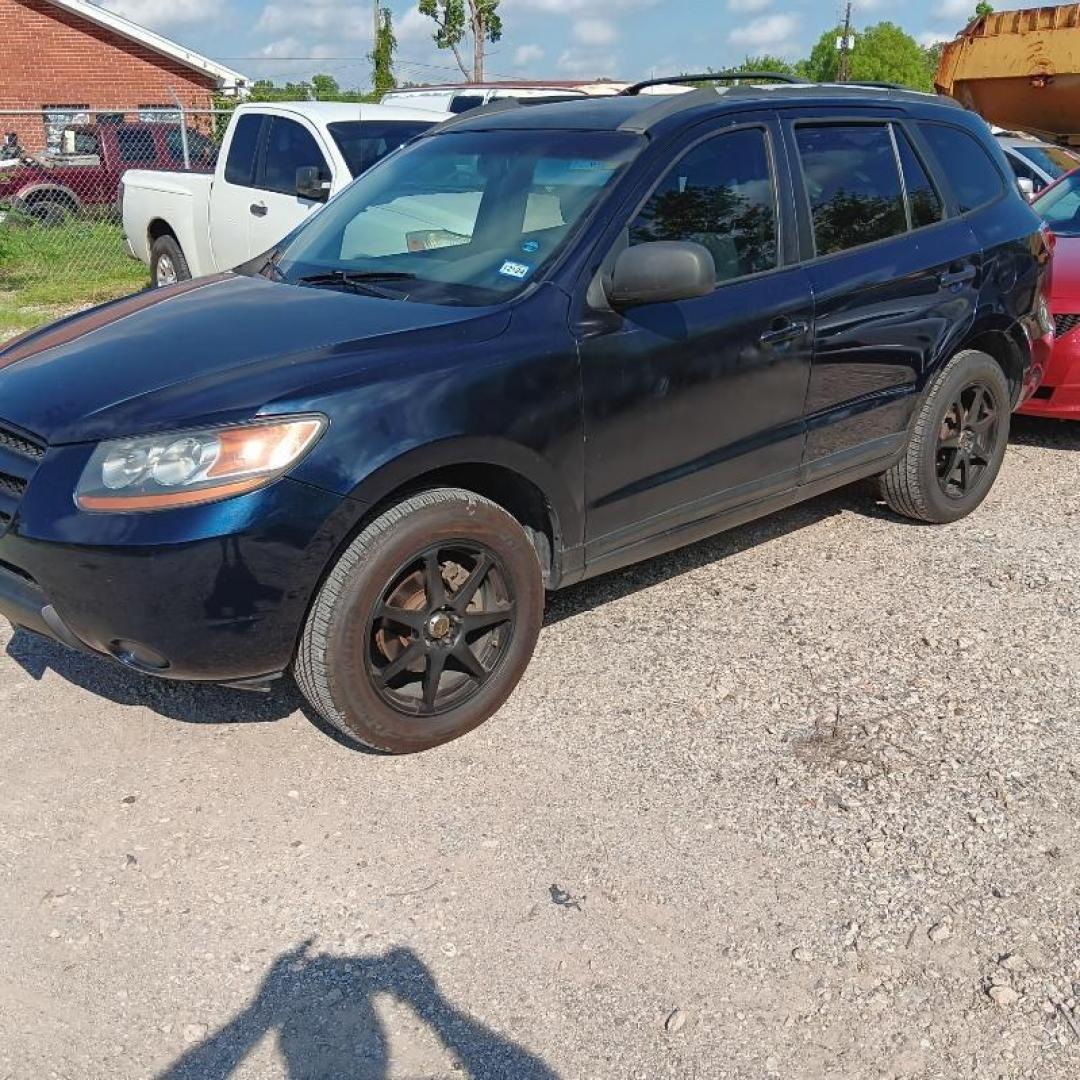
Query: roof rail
{"points": [[495, 106], [712, 76]]}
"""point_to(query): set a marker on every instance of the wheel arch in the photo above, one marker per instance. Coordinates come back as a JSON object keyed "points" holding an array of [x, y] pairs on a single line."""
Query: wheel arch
{"points": [[1006, 343], [27, 196], [506, 473], [158, 228]]}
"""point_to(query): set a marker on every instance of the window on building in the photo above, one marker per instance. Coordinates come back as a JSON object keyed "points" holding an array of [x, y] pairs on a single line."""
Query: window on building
{"points": [[58, 117], [719, 195], [853, 184]]}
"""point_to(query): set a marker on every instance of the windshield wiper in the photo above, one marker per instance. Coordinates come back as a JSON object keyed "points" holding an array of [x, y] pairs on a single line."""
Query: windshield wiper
{"points": [[361, 281]]}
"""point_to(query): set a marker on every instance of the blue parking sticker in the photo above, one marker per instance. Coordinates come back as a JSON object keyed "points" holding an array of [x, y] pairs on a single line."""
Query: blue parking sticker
{"points": [[515, 270], [531, 247]]}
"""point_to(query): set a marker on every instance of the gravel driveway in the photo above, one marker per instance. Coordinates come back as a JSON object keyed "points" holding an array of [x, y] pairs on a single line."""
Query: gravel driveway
{"points": [[800, 801]]}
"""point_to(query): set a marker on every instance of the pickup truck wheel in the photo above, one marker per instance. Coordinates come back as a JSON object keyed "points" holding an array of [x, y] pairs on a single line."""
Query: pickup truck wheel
{"points": [[167, 262], [425, 625], [49, 212], [956, 445]]}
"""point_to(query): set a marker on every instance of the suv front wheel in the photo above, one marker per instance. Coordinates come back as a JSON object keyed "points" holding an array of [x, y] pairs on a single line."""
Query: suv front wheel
{"points": [[425, 624], [957, 443]]}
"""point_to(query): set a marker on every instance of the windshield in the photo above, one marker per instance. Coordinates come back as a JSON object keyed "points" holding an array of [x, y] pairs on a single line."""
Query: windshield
{"points": [[1055, 161], [1059, 206], [364, 142], [467, 218]]}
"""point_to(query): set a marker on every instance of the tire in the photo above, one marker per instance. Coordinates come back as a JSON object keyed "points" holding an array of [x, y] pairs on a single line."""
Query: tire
{"points": [[49, 212], [167, 262], [954, 424], [371, 675]]}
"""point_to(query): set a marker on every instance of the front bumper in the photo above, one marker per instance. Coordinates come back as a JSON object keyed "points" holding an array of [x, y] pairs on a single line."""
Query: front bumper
{"points": [[1059, 395], [216, 593]]}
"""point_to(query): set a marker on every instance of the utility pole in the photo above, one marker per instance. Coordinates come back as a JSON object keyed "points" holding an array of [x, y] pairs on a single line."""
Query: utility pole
{"points": [[375, 25], [843, 73]]}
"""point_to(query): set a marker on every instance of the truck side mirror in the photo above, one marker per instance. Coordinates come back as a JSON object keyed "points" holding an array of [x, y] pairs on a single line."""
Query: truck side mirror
{"points": [[311, 185], [1026, 186], [661, 272]]}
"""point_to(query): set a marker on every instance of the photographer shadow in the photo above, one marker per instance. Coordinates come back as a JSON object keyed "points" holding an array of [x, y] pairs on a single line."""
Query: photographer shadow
{"points": [[320, 1007]]}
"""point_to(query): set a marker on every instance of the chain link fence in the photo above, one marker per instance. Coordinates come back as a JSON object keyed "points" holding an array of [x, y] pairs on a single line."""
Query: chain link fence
{"points": [[61, 239]]}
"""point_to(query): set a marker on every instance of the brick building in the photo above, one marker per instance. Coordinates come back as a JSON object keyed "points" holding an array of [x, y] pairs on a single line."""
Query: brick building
{"points": [[69, 60]]}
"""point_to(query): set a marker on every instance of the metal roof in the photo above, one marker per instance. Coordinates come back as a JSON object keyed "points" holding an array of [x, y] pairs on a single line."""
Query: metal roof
{"points": [[227, 78]]}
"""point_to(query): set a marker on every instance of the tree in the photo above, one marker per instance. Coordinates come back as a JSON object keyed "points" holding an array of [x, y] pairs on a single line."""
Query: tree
{"points": [[325, 88], [382, 54], [464, 24], [882, 53], [932, 53], [765, 62], [983, 8]]}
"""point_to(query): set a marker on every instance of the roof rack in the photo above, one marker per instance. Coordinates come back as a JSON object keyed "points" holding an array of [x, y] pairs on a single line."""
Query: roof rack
{"points": [[713, 76], [495, 106]]}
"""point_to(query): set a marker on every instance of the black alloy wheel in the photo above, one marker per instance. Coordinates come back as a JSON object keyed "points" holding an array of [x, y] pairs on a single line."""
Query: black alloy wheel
{"points": [[968, 440], [441, 629]]}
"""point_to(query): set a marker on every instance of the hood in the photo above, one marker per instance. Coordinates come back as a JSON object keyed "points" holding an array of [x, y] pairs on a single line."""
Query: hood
{"points": [[209, 351], [1065, 276]]}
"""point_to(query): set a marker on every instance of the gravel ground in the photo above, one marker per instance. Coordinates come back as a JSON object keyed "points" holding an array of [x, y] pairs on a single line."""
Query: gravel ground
{"points": [[800, 801]]}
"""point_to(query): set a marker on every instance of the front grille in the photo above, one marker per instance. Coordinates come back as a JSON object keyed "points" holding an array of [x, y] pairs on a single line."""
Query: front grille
{"points": [[1064, 324], [20, 455]]}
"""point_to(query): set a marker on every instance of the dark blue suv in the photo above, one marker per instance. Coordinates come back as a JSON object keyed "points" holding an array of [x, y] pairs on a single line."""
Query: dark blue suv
{"points": [[534, 345]]}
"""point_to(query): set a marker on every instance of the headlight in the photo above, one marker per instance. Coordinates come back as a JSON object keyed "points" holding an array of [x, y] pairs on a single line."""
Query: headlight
{"points": [[159, 472]]}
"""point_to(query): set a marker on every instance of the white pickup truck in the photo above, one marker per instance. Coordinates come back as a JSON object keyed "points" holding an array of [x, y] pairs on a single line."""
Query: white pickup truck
{"points": [[278, 163]]}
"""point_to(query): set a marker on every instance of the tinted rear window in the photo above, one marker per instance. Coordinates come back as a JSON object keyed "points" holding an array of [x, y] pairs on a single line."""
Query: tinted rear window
{"points": [[364, 142], [971, 172], [926, 206], [240, 164], [1055, 161]]}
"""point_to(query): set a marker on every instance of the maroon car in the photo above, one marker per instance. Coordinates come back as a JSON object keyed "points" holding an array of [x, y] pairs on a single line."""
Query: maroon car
{"points": [[85, 175]]}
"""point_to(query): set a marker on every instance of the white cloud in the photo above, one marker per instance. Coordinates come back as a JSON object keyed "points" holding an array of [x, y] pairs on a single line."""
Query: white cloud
{"points": [[953, 11], [331, 19], [158, 13], [412, 26], [772, 32], [930, 37], [595, 31], [748, 5], [586, 64], [528, 54], [564, 7]]}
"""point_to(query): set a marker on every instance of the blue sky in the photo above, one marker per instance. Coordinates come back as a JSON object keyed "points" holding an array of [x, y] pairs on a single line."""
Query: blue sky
{"points": [[291, 39]]}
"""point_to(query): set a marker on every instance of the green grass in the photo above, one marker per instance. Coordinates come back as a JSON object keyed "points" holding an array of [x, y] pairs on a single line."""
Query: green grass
{"points": [[47, 272]]}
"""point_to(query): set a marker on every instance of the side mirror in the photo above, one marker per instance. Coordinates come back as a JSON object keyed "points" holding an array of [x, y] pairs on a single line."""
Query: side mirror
{"points": [[661, 272], [311, 185], [1026, 186]]}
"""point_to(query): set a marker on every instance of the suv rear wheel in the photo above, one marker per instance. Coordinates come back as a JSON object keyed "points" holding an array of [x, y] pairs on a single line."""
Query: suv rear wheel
{"points": [[426, 623], [956, 445]]}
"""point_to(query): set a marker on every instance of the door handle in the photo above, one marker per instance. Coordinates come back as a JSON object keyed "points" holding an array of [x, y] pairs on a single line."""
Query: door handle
{"points": [[783, 331], [259, 209], [957, 277]]}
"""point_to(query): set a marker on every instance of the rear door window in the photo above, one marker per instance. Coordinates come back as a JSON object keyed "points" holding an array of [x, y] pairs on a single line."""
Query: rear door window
{"points": [[925, 202], [852, 184], [289, 146], [364, 142], [240, 164], [720, 195], [971, 172]]}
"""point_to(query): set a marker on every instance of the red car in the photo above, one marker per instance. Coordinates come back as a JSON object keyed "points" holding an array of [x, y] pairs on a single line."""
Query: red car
{"points": [[1059, 395], [84, 177]]}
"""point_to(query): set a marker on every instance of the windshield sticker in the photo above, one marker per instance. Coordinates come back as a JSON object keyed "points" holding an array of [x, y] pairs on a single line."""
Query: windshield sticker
{"points": [[517, 270], [531, 247]]}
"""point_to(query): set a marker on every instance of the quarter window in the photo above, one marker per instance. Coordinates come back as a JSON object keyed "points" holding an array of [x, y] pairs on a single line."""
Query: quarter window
{"points": [[289, 146], [720, 195], [853, 185], [974, 177], [240, 164], [925, 203]]}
